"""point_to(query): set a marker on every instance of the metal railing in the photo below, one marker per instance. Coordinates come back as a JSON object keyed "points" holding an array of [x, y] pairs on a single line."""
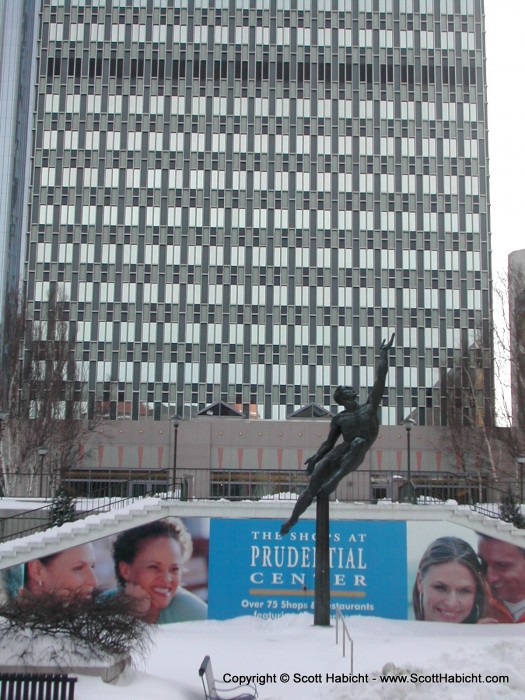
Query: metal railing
{"points": [[339, 618], [92, 483], [426, 488], [38, 519], [368, 486], [99, 490], [499, 491]]}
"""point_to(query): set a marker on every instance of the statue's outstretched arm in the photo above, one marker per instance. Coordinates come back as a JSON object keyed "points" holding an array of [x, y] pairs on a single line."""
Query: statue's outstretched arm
{"points": [[381, 371]]}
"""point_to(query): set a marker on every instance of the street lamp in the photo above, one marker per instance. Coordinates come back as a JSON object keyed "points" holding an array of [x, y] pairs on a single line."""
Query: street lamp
{"points": [[176, 420], [42, 452], [521, 462], [3, 418], [408, 423]]}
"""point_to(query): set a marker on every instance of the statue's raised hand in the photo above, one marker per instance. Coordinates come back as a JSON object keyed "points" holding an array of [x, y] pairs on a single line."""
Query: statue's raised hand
{"points": [[387, 346]]}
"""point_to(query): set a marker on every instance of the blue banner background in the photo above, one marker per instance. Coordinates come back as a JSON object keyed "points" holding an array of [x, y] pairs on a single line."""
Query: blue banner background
{"points": [[254, 571]]}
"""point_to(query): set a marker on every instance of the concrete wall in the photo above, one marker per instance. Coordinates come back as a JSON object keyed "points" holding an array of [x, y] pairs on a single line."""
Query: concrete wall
{"points": [[233, 444]]}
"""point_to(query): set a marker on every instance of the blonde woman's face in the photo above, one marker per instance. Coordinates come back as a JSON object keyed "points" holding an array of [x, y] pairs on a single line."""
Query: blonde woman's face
{"points": [[449, 592], [71, 571]]}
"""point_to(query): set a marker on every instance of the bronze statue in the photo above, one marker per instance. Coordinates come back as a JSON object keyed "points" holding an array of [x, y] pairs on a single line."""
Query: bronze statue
{"points": [[358, 425]]}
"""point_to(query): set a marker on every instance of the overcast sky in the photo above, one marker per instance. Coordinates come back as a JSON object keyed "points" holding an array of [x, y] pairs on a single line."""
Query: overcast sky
{"points": [[505, 23]]}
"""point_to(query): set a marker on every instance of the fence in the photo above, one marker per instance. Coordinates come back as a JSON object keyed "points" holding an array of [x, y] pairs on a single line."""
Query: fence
{"points": [[99, 490], [90, 496]]}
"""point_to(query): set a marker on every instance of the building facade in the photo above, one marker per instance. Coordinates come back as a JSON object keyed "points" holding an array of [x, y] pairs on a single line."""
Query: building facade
{"points": [[240, 200], [17, 62]]}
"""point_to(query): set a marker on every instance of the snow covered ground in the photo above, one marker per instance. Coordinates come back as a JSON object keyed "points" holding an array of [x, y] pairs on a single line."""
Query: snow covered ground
{"points": [[315, 666], [269, 648]]}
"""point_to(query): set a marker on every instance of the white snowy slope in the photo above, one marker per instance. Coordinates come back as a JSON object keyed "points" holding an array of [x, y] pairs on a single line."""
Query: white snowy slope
{"points": [[291, 645]]}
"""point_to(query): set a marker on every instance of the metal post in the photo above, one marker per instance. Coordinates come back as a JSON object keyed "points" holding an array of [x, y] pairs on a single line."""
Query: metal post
{"points": [[3, 417], [175, 421], [408, 423], [322, 562], [409, 475], [42, 452], [521, 462]]}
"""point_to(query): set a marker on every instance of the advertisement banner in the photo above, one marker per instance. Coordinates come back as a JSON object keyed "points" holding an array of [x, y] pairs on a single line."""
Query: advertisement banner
{"points": [[256, 572], [163, 563], [456, 574], [196, 568]]}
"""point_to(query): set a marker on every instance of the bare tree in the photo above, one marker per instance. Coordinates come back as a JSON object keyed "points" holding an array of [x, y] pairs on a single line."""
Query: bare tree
{"points": [[74, 628], [469, 407], [482, 438], [510, 359], [46, 421]]}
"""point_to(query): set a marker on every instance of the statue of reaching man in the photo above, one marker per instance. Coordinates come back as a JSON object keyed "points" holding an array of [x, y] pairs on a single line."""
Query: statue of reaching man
{"points": [[358, 425]]}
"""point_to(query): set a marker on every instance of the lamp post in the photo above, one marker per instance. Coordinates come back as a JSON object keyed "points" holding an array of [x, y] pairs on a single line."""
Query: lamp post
{"points": [[521, 462], [175, 421], [3, 416], [42, 452], [408, 423]]}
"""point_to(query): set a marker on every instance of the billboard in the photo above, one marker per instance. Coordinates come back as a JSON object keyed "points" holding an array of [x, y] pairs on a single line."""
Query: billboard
{"points": [[255, 571], [163, 565], [196, 568], [455, 574]]}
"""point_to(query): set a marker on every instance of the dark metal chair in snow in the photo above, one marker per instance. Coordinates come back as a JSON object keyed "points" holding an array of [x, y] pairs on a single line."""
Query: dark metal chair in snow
{"points": [[215, 690]]}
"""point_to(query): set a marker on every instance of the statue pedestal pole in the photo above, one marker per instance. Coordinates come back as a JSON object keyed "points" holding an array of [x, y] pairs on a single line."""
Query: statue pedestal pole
{"points": [[322, 562]]}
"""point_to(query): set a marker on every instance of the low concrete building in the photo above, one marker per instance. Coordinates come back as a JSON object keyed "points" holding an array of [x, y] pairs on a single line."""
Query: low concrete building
{"points": [[232, 457]]}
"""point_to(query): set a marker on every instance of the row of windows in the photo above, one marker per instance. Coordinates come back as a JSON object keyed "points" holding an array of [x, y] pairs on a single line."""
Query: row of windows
{"points": [[169, 14], [261, 110], [444, 232], [440, 302], [294, 209], [153, 371], [242, 153], [261, 404], [221, 216], [120, 37], [168, 210], [170, 354], [59, 184], [273, 89], [143, 372], [432, 290], [394, 267], [159, 166], [170, 118], [116, 319], [277, 354], [226, 375], [256, 70]]}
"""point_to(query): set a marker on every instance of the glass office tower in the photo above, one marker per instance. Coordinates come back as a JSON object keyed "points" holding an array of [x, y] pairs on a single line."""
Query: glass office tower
{"points": [[241, 199], [17, 59]]}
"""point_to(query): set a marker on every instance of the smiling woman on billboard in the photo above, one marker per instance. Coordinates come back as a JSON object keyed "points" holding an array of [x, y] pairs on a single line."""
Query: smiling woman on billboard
{"points": [[450, 586], [148, 564]]}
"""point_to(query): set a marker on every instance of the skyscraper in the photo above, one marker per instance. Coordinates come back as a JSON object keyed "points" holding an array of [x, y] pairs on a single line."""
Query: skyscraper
{"points": [[241, 199], [17, 53]]}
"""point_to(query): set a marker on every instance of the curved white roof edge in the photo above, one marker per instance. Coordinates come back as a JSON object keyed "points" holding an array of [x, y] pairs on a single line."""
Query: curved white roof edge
{"points": [[111, 522]]}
